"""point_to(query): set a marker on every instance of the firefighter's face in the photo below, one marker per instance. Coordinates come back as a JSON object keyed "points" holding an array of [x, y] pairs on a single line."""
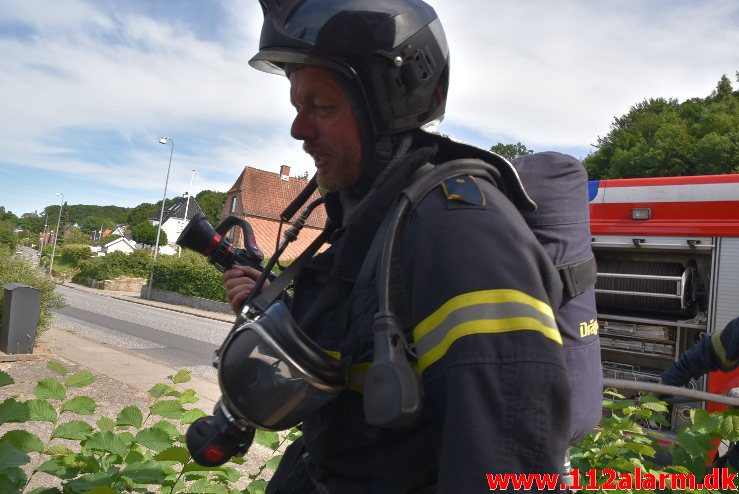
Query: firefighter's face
{"points": [[328, 126]]}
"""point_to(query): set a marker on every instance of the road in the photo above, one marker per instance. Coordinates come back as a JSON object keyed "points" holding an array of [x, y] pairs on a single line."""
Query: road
{"points": [[171, 338]]}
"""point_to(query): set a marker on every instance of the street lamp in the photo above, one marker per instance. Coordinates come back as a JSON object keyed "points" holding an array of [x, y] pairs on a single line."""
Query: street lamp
{"points": [[53, 250], [163, 140]]}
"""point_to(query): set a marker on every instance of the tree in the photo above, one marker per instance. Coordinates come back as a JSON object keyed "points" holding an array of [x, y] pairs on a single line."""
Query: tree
{"points": [[661, 137], [146, 233], [510, 151], [211, 203]]}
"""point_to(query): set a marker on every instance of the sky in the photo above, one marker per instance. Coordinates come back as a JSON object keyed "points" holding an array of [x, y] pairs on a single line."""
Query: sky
{"points": [[87, 88]]}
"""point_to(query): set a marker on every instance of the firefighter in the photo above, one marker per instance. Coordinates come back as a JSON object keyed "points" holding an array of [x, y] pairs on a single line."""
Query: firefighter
{"points": [[719, 351], [475, 287]]}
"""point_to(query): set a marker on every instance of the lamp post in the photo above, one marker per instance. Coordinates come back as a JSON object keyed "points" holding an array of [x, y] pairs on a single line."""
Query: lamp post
{"points": [[42, 240], [53, 250], [163, 140]]}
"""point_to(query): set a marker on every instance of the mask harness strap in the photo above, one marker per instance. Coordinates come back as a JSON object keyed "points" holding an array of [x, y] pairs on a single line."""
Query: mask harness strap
{"points": [[392, 387]]}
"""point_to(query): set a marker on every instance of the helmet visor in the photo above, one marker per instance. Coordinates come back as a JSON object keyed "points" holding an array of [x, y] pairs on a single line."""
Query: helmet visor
{"points": [[274, 60]]}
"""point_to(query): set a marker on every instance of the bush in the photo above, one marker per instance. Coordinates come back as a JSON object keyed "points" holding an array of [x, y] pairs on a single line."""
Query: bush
{"points": [[15, 270], [115, 265], [75, 253], [190, 275]]}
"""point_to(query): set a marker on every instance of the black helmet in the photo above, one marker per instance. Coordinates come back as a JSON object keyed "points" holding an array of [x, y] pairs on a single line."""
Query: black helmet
{"points": [[395, 50]]}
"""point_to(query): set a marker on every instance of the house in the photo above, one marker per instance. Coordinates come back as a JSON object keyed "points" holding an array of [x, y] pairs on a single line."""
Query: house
{"points": [[121, 230], [259, 197], [174, 221], [121, 244]]}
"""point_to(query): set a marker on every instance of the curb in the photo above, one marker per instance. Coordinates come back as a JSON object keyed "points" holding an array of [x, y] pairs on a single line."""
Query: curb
{"points": [[160, 305]]}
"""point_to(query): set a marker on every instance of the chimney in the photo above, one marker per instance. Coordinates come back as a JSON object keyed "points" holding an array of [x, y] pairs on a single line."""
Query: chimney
{"points": [[284, 172]]}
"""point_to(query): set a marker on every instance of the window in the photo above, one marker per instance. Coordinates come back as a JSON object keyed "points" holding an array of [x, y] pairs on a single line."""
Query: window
{"points": [[233, 204]]}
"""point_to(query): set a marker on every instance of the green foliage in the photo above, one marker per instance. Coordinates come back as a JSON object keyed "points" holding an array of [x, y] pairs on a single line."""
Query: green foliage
{"points": [[75, 236], [115, 265], [75, 253], [134, 453], [15, 270], [8, 238], [623, 442], [189, 274], [211, 203], [510, 151], [146, 233], [660, 137]]}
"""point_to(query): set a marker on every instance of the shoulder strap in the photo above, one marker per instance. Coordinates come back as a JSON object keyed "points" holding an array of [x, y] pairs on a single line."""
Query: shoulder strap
{"points": [[279, 284], [578, 276]]}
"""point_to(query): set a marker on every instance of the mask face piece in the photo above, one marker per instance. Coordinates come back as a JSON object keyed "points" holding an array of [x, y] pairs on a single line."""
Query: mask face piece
{"points": [[272, 375]]}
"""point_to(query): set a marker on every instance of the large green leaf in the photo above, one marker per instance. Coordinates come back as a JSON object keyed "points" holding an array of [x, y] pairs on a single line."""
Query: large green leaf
{"points": [[167, 427], [154, 438], [50, 388], [269, 439], [171, 409], [149, 472], [5, 379], [130, 417], [176, 453], [11, 457], [161, 389], [74, 429], [12, 480], [257, 487], [79, 380], [58, 468], [274, 462], [13, 411], [730, 427], [108, 442], [87, 482], [182, 376], [189, 396], [42, 411], [56, 367], [81, 405], [205, 486], [22, 441], [105, 424], [191, 416]]}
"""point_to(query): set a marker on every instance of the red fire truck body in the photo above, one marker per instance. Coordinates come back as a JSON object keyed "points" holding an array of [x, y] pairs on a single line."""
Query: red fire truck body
{"points": [[667, 251]]}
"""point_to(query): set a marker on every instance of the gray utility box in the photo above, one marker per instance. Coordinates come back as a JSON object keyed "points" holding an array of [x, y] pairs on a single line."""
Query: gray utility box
{"points": [[21, 308]]}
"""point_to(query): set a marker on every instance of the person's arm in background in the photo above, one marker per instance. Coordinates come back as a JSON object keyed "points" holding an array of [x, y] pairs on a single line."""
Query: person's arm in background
{"points": [[719, 351]]}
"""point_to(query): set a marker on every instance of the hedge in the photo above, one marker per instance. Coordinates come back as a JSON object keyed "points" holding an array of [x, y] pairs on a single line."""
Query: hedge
{"points": [[116, 265], [189, 274]]}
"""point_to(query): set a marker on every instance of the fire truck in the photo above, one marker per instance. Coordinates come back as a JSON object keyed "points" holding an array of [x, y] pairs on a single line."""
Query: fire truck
{"points": [[667, 251]]}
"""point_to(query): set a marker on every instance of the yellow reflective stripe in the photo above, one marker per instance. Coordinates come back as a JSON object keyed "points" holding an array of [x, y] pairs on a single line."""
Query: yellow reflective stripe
{"points": [[720, 351], [486, 326], [481, 297], [333, 353], [357, 372]]}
